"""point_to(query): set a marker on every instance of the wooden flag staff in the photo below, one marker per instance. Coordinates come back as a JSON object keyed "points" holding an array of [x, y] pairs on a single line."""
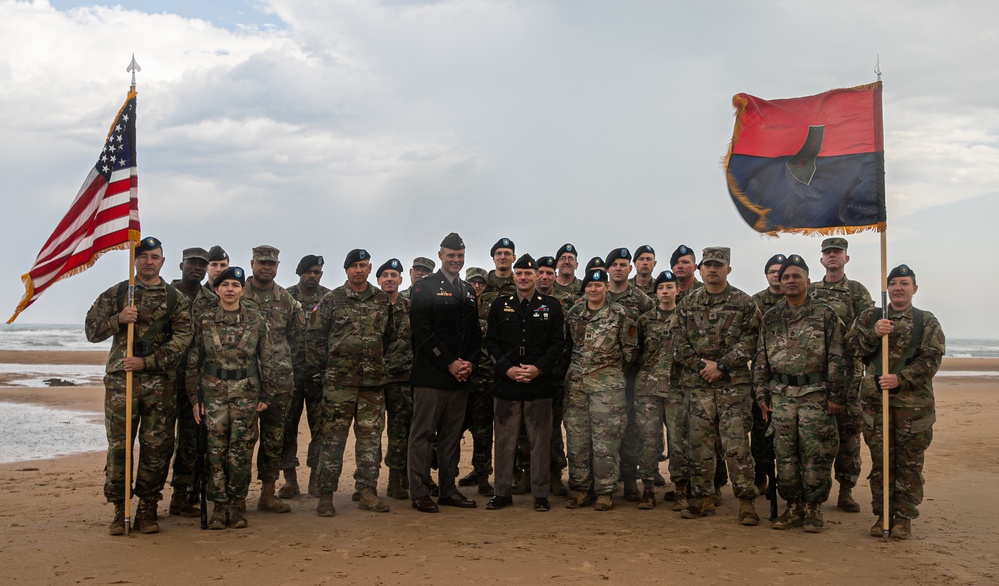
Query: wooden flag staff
{"points": [[130, 338]]}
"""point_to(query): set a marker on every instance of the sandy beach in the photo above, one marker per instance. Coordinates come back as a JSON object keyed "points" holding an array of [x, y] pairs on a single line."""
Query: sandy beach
{"points": [[55, 524]]}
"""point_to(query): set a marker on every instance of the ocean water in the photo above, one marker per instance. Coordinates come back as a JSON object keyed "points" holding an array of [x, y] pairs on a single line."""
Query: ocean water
{"points": [[47, 337], [30, 432]]}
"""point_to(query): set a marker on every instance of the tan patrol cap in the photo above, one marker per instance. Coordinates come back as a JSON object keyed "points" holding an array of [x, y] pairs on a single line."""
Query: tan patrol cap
{"points": [[476, 273], [717, 254], [424, 262], [266, 253], [836, 242], [196, 252]]}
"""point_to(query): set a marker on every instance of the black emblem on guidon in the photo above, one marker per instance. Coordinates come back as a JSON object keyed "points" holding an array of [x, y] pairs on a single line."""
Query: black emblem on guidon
{"points": [[802, 165]]}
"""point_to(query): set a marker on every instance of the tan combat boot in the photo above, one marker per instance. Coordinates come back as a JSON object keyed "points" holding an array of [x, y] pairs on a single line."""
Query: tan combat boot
{"points": [[716, 496], [604, 503], [557, 487], [813, 521], [220, 513], [145, 517], [270, 503], [648, 500], [698, 507], [325, 508], [680, 496], [877, 530], [846, 502], [902, 529], [290, 488], [747, 513], [580, 500], [631, 490], [180, 506], [793, 516], [237, 514], [117, 526], [395, 488], [369, 501]]}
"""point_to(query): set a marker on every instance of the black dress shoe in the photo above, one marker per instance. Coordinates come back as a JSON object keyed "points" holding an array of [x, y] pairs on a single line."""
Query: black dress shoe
{"points": [[425, 504], [499, 502], [541, 505], [456, 500]]}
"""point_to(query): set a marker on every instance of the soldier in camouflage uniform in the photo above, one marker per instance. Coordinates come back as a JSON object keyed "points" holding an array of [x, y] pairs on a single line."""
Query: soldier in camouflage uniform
{"points": [[567, 260], [398, 394], [479, 414], [800, 381], [645, 263], [422, 266], [230, 368], [849, 299], [913, 358], [547, 273], [654, 390], [285, 326], [636, 303], [715, 337], [761, 444], [162, 334], [603, 342], [192, 270], [218, 261], [308, 393], [354, 331]]}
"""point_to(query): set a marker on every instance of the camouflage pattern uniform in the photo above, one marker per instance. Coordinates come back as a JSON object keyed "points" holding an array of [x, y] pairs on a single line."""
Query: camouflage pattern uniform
{"points": [[354, 332], [653, 392], [573, 288], [602, 345], [398, 395], [154, 398], [762, 445], [848, 299], [186, 446], [795, 343], [285, 325], [681, 294], [307, 393], [636, 303], [557, 461], [723, 328], [230, 365], [649, 289], [911, 410]]}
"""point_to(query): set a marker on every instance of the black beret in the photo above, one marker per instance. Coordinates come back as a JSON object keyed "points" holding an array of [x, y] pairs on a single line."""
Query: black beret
{"points": [[231, 274], [616, 254], [216, 253], [356, 255], [793, 260], [546, 261], [453, 241], [392, 263], [643, 249], [566, 248], [502, 243], [146, 244], [665, 277], [902, 271], [682, 250], [308, 261], [777, 259], [596, 275], [526, 261], [595, 263]]}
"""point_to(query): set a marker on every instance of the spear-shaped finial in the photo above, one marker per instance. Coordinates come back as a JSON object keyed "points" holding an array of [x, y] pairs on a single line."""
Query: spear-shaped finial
{"points": [[133, 67], [877, 67]]}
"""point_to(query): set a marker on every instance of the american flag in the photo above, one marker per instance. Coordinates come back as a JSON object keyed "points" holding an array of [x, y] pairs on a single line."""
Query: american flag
{"points": [[104, 216]]}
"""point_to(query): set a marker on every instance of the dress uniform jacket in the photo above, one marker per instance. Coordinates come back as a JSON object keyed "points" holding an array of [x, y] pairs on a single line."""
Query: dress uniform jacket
{"points": [[444, 318]]}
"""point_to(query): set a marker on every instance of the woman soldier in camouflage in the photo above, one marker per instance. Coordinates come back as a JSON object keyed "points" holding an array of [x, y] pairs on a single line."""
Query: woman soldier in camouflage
{"points": [[228, 368], [603, 340]]}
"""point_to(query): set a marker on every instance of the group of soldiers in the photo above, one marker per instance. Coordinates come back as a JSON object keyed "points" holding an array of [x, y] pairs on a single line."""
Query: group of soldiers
{"points": [[513, 355]]}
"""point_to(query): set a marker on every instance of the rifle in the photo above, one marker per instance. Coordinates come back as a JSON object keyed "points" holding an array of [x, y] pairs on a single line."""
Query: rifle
{"points": [[200, 489]]}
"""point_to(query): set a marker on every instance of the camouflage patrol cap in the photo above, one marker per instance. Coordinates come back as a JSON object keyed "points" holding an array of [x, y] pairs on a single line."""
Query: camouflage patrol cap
{"points": [[392, 264], [594, 276], [902, 271], [681, 251], [616, 254], [595, 263], [424, 262], [476, 273], [217, 253], [793, 260], [231, 274], [453, 242], [774, 260], [308, 261], [503, 243], [664, 277], [836, 242], [547, 261], [526, 261], [356, 255], [196, 252], [265, 252], [146, 244], [567, 248], [722, 254]]}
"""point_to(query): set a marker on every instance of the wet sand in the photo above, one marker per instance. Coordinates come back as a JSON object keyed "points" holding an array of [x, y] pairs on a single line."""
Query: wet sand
{"points": [[55, 526]]}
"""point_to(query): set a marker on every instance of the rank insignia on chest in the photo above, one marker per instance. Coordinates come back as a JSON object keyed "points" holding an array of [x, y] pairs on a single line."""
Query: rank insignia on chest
{"points": [[443, 293], [509, 309]]}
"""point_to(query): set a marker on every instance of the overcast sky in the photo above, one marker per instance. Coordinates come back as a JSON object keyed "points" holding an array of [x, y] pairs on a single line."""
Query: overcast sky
{"points": [[318, 127]]}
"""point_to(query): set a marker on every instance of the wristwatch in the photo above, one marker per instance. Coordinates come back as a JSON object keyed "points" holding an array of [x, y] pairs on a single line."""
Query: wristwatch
{"points": [[722, 366]]}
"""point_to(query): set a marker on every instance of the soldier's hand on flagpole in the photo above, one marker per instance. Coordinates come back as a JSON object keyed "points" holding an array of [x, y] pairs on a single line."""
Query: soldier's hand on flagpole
{"points": [[261, 407], [766, 410], [888, 382], [833, 408], [199, 410], [133, 363], [882, 327], [128, 315]]}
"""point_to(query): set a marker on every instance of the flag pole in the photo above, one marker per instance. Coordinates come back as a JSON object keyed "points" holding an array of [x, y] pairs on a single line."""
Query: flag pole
{"points": [[133, 66], [885, 497]]}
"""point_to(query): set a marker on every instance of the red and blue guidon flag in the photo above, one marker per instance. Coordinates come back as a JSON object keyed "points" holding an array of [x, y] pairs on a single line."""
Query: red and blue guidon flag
{"points": [[809, 165]]}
